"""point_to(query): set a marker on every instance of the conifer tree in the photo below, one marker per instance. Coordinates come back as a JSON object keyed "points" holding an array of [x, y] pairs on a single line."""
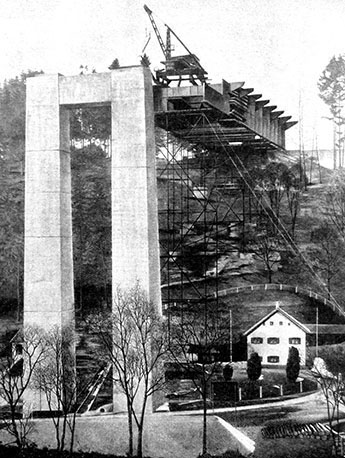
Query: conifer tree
{"points": [[332, 91], [254, 366], [293, 364]]}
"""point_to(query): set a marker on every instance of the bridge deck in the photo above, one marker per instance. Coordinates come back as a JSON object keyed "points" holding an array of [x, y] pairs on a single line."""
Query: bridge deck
{"points": [[235, 116]]}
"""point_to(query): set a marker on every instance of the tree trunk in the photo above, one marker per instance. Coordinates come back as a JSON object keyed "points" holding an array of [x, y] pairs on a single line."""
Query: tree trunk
{"points": [[14, 428], [204, 428], [269, 275], [328, 288], [18, 293], [140, 441], [141, 429], [63, 434], [330, 414], [293, 224], [130, 428], [57, 434], [72, 431]]}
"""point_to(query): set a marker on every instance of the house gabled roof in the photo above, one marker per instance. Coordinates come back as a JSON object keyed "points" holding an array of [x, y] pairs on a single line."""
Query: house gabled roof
{"points": [[277, 309]]}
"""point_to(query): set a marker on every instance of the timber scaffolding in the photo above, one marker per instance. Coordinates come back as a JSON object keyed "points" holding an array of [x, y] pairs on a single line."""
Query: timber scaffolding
{"points": [[211, 137]]}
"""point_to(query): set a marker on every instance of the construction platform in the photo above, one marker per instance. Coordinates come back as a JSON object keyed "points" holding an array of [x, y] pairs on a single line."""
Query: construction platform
{"points": [[235, 115]]}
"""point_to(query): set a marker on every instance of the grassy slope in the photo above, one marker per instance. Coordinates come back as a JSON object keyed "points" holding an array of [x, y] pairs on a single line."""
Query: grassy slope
{"points": [[166, 435]]}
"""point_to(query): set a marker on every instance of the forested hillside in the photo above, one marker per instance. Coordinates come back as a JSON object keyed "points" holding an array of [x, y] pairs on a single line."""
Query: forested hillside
{"points": [[307, 200]]}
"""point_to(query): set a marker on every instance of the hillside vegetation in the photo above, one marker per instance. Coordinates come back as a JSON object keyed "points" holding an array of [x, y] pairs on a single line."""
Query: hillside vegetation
{"points": [[310, 253]]}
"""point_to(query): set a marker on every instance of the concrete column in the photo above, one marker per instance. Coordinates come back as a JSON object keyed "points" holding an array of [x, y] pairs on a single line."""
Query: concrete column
{"points": [[48, 284], [48, 264], [135, 249]]}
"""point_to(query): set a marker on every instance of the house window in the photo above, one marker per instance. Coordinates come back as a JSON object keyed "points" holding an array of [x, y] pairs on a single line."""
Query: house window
{"points": [[295, 340], [273, 359], [280, 323], [271, 323], [257, 340], [273, 340]]}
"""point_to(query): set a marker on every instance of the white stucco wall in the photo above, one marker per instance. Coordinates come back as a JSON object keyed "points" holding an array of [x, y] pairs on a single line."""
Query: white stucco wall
{"points": [[277, 326]]}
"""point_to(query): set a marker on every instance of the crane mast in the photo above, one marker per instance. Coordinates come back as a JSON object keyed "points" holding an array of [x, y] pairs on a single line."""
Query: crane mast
{"points": [[177, 68]]}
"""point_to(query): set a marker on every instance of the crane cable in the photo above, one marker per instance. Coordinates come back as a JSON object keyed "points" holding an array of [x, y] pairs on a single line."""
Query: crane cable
{"points": [[282, 230]]}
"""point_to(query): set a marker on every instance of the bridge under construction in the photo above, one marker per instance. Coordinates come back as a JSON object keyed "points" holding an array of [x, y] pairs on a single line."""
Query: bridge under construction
{"points": [[212, 140], [183, 192]]}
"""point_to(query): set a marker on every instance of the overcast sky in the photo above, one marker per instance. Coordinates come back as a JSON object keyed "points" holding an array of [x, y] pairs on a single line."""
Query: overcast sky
{"points": [[278, 47]]}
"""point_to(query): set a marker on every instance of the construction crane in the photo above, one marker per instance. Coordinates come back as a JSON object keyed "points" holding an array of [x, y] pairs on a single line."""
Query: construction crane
{"points": [[177, 68]]}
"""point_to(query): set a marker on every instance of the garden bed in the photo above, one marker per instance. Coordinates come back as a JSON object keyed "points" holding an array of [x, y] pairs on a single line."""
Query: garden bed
{"points": [[273, 385]]}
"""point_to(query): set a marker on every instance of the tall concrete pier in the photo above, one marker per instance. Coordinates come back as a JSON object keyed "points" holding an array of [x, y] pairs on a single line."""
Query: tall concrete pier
{"points": [[135, 250], [48, 283], [48, 274]]}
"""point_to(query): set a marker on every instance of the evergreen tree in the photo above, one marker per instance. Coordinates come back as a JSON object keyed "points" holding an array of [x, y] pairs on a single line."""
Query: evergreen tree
{"points": [[12, 147], [293, 364], [115, 64], [254, 366], [332, 92]]}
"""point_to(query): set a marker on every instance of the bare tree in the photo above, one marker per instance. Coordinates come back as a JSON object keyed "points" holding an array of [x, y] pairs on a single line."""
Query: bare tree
{"points": [[279, 187], [15, 380], [330, 372], [293, 195], [55, 378], [335, 203], [266, 245], [274, 178], [133, 339], [328, 253], [194, 345]]}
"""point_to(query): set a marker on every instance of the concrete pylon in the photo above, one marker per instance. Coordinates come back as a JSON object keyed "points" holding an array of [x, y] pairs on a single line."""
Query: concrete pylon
{"points": [[48, 265], [135, 245], [48, 272], [48, 280]]}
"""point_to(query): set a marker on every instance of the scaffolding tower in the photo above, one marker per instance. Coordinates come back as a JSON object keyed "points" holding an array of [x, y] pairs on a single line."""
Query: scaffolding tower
{"points": [[209, 138]]}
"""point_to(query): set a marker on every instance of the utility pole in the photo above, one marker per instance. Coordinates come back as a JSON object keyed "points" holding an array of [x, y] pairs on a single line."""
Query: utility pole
{"points": [[230, 333]]}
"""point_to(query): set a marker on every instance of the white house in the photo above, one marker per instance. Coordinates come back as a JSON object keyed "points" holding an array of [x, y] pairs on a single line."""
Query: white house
{"points": [[273, 335]]}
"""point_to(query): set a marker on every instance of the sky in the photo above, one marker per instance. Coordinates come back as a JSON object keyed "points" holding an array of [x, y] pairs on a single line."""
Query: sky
{"points": [[277, 47]]}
